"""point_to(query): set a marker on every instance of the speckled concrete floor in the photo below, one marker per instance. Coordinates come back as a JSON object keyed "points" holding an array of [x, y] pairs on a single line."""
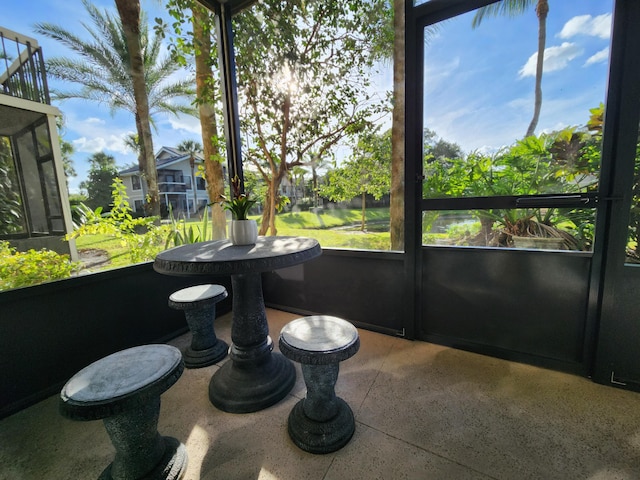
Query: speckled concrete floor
{"points": [[422, 412]]}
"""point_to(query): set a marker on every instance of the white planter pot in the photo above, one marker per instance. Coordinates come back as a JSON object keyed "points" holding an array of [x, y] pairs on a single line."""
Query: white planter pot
{"points": [[243, 232]]}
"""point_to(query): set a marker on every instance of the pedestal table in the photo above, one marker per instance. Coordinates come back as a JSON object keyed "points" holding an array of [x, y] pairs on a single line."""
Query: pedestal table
{"points": [[255, 377]]}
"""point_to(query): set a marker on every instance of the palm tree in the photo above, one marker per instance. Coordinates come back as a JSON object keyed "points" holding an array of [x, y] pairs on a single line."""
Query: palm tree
{"points": [[206, 94], [517, 7], [396, 207], [121, 66], [192, 148]]}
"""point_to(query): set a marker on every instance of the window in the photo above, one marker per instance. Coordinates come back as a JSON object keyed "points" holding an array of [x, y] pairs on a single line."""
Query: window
{"points": [[201, 184], [135, 182], [494, 169], [337, 140]]}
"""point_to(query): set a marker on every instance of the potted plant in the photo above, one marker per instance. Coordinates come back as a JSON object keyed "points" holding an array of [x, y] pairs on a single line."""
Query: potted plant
{"points": [[242, 231]]}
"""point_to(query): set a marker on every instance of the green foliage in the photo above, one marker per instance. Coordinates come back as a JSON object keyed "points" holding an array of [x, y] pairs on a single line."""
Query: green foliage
{"points": [[566, 161], [240, 203], [368, 171], [142, 238], [102, 172], [21, 269], [182, 233], [11, 213], [101, 68], [304, 73]]}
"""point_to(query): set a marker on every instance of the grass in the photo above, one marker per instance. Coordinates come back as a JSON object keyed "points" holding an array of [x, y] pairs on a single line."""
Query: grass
{"points": [[325, 227], [118, 253]]}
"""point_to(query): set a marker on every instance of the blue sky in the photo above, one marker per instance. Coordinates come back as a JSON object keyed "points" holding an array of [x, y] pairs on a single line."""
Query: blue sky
{"points": [[478, 83], [90, 126]]}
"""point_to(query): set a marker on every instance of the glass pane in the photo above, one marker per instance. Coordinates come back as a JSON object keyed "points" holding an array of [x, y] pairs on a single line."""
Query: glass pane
{"points": [[44, 142], [31, 176], [12, 219], [51, 188], [633, 245], [315, 86], [483, 135], [542, 229]]}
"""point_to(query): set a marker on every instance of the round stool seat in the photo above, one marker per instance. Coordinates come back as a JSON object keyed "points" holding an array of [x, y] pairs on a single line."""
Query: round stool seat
{"points": [[197, 296], [319, 340], [121, 381], [124, 390]]}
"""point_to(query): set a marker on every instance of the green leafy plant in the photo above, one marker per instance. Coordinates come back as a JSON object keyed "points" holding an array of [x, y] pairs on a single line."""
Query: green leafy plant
{"points": [[180, 233], [141, 236], [240, 203], [22, 269]]}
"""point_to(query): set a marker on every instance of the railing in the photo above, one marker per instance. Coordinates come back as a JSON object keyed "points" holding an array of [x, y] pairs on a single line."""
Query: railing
{"points": [[22, 70], [171, 187]]}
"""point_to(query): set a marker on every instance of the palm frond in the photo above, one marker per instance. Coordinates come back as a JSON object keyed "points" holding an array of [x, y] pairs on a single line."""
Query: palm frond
{"points": [[507, 8]]}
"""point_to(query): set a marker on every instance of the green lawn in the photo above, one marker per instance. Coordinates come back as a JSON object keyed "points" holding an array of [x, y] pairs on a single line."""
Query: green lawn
{"points": [[332, 228]]}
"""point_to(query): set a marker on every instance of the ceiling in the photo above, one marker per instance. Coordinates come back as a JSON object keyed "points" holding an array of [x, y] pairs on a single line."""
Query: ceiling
{"points": [[12, 119]]}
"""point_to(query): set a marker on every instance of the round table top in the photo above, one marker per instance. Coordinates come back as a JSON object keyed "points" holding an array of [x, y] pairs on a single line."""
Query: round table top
{"points": [[120, 381], [221, 257], [319, 339]]}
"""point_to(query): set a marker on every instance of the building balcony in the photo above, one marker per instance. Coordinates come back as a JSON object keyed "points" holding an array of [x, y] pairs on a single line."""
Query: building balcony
{"points": [[421, 410], [22, 71], [172, 187]]}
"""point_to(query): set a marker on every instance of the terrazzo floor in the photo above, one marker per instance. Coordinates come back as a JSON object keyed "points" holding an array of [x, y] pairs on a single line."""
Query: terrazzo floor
{"points": [[422, 411]]}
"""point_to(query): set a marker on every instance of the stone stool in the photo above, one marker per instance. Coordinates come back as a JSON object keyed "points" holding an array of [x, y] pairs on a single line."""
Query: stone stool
{"points": [[199, 305], [321, 422], [124, 390]]}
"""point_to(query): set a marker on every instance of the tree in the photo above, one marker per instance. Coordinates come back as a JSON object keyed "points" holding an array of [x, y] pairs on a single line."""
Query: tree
{"points": [[367, 172], [517, 7], [198, 43], [192, 148], [303, 81], [102, 172], [129, 11], [66, 149], [120, 66]]}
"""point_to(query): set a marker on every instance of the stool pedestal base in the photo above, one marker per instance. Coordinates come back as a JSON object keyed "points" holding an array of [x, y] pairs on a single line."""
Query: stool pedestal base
{"points": [[171, 466], [321, 436], [204, 358]]}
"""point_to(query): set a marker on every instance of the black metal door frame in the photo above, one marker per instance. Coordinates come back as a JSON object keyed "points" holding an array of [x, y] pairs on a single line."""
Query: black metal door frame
{"points": [[619, 140]]}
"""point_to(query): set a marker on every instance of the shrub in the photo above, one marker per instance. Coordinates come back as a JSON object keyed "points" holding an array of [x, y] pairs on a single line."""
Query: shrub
{"points": [[140, 236], [21, 269]]}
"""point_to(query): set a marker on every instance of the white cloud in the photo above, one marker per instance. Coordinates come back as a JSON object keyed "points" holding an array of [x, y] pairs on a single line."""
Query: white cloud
{"points": [[599, 57], [186, 123], [95, 134], [599, 26], [95, 121], [112, 143], [555, 58]]}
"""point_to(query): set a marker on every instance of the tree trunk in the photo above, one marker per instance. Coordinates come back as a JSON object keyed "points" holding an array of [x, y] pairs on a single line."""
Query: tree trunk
{"points": [[541, 10], [213, 170], [192, 165], [396, 207], [363, 221], [129, 11], [266, 214]]}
